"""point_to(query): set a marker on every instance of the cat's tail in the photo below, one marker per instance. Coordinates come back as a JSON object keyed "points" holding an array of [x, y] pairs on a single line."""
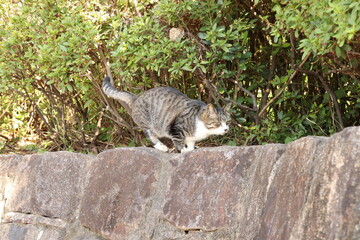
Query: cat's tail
{"points": [[111, 91]]}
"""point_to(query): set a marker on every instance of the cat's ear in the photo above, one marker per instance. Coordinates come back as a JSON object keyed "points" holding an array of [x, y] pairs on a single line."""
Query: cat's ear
{"points": [[227, 107], [210, 110]]}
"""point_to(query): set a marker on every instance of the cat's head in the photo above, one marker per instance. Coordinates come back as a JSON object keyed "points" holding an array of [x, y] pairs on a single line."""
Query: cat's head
{"points": [[216, 120]]}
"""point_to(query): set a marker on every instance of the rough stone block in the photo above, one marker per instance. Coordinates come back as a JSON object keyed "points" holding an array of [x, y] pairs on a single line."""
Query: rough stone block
{"points": [[119, 190], [48, 185], [307, 189]]}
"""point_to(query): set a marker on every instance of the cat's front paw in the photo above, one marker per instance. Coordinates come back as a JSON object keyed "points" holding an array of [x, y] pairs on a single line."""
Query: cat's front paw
{"points": [[160, 146], [186, 149]]}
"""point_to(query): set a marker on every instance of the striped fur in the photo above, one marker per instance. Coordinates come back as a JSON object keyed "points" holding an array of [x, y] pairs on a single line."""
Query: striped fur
{"points": [[110, 91], [164, 112]]}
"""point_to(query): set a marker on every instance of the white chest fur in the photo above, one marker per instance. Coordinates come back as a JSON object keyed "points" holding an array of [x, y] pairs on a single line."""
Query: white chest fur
{"points": [[201, 131]]}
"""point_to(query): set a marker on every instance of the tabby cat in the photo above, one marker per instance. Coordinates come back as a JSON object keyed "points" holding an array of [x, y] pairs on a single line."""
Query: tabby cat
{"points": [[164, 112]]}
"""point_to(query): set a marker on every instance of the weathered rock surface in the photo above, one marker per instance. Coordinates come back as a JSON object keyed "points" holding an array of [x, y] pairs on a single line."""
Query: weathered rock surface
{"points": [[308, 189]]}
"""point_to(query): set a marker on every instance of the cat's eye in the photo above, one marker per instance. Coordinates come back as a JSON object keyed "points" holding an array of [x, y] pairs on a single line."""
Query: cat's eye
{"points": [[213, 125]]}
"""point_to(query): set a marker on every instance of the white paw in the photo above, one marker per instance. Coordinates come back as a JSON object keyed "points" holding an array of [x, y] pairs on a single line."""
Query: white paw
{"points": [[160, 146], [186, 149]]}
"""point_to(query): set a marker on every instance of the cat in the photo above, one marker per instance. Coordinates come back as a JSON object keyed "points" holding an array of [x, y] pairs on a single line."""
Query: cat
{"points": [[164, 112]]}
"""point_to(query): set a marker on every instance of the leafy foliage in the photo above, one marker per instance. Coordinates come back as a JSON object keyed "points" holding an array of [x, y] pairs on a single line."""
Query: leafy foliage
{"points": [[288, 71], [323, 33]]}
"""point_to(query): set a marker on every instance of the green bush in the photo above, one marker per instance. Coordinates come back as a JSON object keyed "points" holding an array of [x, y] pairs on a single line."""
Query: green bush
{"points": [[288, 71], [332, 30]]}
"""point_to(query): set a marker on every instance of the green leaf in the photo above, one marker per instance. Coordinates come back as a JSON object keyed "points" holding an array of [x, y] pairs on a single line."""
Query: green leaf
{"points": [[231, 143], [225, 48], [50, 82], [340, 93], [306, 52], [63, 48], [276, 38], [228, 57], [242, 66], [346, 47], [285, 45], [338, 51], [277, 8], [187, 68], [132, 144], [203, 69], [88, 103], [69, 87], [288, 139], [280, 115]]}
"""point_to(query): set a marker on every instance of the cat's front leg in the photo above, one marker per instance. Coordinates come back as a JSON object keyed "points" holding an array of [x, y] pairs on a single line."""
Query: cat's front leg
{"points": [[189, 146], [182, 147], [179, 144], [185, 150]]}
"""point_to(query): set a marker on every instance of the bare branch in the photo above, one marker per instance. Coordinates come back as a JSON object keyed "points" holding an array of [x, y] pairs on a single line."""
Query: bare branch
{"points": [[5, 137], [136, 8], [331, 93], [7, 108], [36, 108], [120, 121], [105, 62], [98, 127], [266, 93], [285, 85], [253, 97], [293, 48]]}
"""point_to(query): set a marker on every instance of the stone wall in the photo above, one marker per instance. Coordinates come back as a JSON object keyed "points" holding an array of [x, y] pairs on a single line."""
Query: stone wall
{"points": [[307, 189]]}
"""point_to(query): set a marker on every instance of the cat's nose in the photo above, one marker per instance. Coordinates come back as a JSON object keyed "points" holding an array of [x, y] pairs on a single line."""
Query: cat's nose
{"points": [[226, 130]]}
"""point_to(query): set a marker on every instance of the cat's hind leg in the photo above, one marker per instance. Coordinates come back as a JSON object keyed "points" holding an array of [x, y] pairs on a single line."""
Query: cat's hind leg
{"points": [[155, 140], [162, 147]]}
